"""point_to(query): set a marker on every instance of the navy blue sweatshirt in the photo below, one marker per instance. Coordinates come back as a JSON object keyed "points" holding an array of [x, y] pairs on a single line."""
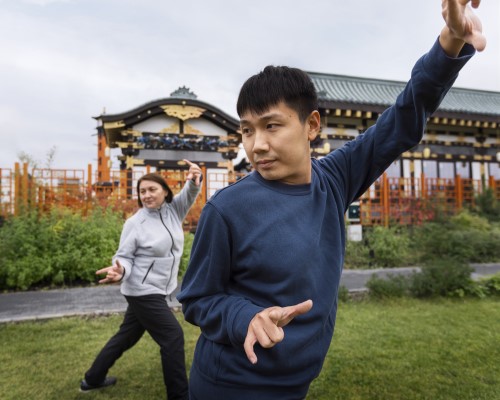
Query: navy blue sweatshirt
{"points": [[263, 243]]}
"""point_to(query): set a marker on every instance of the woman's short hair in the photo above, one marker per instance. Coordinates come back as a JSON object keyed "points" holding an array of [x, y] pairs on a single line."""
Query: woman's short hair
{"points": [[153, 177]]}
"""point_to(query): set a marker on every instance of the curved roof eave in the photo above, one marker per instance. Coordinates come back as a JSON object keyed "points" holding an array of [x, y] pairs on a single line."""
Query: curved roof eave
{"points": [[153, 108], [335, 90]]}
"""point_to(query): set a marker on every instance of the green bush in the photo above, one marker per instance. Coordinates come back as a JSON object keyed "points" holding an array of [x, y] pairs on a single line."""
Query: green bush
{"points": [[343, 294], [388, 247], [491, 284], [186, 254], [357, 255], [56, 248], [392, 286], [443, 277], [487, 205], [466, 237]]}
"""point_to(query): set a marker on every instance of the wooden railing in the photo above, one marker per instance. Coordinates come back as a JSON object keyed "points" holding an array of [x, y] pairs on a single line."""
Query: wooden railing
{"points": [[388, 201]]}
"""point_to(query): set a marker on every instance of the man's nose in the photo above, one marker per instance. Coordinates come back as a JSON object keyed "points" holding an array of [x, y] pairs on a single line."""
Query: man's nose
{"points": [[260, 143]]}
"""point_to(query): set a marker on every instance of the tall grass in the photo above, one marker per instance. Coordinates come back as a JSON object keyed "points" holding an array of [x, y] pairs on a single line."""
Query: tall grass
{"points": [[410, 349]]}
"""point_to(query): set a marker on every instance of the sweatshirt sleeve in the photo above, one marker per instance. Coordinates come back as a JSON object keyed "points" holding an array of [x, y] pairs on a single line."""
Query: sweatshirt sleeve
{"points": [[183, 200], [127, 247], [222, 317], [356, 165]]}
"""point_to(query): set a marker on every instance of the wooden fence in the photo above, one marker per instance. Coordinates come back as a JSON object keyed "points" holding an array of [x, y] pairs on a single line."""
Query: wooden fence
{"points": [[388, 201]]}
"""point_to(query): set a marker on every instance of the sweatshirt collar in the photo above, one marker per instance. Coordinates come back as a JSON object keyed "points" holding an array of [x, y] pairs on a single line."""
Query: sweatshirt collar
{"points": [[156, 210]]}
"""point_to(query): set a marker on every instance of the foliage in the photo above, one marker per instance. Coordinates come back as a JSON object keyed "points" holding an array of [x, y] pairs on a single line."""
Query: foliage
{"points": [[343, 294], [186, 253], [60, 247], [443, 277], [490, 285], [466, 237], [388, 247], [487, 205], [33, 162], [357, 255], [392, 286]]}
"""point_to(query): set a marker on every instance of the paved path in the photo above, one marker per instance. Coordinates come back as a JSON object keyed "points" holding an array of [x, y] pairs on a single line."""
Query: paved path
{"points": [[104, 299]]}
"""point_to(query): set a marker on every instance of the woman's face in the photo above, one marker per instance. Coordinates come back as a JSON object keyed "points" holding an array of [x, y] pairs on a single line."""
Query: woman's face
{"points": [[152, 194]]}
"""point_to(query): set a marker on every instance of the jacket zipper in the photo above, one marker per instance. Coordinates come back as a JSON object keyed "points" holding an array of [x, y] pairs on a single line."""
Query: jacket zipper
{"points": [[171, 248]]}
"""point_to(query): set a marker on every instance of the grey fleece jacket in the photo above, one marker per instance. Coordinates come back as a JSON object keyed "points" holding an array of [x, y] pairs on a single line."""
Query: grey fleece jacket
{"points": [[151, 245]]}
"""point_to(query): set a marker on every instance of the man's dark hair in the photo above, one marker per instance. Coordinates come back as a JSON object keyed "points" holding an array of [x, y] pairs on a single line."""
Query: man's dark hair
{"points": [[154, 178], [278, 84]]}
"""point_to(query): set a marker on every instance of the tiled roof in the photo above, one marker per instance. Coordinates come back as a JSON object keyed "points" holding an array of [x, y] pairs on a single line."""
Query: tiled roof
{"points": [[377, 92]]}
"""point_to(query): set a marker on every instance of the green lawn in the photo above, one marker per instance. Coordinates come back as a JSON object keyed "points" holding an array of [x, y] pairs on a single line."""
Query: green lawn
{"points": [[409, 349]]}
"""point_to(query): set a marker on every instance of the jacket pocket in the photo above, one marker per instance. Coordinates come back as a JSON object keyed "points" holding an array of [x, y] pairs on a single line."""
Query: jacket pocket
{"points": [[148, 271], [158, 272]]}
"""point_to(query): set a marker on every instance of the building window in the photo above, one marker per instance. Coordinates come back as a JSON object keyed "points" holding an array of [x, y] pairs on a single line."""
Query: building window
{"points": [[446, 170], [394, 170], [463, 169], [430, 169], [495, 170]]}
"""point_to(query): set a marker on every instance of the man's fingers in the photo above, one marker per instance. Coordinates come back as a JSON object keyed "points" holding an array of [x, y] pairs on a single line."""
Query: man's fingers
{"points": [[248, 346], [475, 3], [303, 307], [291, 312], [478, 41]]}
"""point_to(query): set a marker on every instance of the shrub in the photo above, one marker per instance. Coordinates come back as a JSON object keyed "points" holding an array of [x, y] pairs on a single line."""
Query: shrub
{"points": [[392, 286], [186, 254], [465, 237], [356, 255], [487, 205], [389, 247], [443, 277], [343, 294], [56, 248], [491, 284]]}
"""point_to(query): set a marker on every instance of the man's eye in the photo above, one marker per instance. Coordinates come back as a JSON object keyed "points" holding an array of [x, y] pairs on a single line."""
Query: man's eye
{"points": [[245, 131], [271, 126]]}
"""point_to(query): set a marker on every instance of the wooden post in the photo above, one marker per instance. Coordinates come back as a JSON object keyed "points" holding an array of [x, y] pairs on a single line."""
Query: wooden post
{"points": [[459, 192], [203, 192], [385, 198], [24, 186], [423, 186]]}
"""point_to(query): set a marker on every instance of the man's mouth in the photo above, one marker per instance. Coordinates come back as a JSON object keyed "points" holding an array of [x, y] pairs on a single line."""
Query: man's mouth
{"points": [[264, 164]]}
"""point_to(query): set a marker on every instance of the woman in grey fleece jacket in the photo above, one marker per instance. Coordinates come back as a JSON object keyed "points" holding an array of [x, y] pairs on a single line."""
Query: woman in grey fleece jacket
{"points": [[147, 264]]}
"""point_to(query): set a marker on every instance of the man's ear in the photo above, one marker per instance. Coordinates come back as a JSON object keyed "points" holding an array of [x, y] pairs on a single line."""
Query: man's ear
{"points": [[313, 124]]}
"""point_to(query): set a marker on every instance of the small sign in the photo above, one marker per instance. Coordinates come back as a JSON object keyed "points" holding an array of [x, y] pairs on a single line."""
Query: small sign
{"points": [[355, 233]]}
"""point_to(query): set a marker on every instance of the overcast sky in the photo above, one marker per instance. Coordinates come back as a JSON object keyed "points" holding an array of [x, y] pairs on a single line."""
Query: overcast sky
{"points": [[63, 61]]}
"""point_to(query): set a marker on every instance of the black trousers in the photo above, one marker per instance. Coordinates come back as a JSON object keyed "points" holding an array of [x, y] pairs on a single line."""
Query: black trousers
{"points": [[147, 313]]}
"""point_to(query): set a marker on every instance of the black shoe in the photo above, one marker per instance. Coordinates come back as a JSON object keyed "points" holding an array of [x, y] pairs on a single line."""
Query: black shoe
{"points": [[85, 387]]}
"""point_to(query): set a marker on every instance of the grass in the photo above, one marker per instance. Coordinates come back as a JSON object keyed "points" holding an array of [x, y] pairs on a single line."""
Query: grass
{"points": [[409, 349]]}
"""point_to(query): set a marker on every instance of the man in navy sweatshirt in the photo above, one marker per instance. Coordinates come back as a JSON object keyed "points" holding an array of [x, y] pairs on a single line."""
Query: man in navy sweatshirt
{"points": [[265, 267]]}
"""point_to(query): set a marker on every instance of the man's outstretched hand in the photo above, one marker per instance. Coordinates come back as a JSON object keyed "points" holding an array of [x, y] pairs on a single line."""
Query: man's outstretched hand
{"points": [[266, 328], [462, 24]]}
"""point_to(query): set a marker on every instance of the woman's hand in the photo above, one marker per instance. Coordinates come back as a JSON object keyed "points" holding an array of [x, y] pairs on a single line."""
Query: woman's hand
{"points": [[194, 172], [113, 273]]}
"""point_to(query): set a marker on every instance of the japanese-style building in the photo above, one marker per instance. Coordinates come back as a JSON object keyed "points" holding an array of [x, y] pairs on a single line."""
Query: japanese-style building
{"points": [[458, 156], [462, 137]]}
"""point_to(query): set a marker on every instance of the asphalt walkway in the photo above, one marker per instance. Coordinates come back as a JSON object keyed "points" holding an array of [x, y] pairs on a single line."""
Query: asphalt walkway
{"points": [[105, 299]]}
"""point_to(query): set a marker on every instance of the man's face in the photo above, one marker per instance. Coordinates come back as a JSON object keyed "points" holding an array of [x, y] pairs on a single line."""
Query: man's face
{"points": [[277, 143]]}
